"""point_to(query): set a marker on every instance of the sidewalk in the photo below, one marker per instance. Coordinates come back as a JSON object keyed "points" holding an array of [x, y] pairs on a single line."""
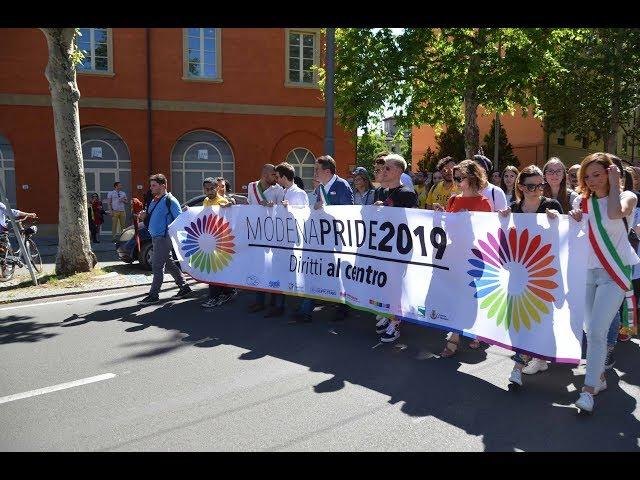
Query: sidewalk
{"points": [[48, 246]]}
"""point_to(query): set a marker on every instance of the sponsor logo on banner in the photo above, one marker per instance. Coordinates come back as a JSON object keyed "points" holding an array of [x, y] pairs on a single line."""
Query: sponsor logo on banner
{"points": [[379, 304], [208, 245], [348, 296], [253, 281], [274, 284], [433, 314], [296, 288], [513, 278], [324, 291]]}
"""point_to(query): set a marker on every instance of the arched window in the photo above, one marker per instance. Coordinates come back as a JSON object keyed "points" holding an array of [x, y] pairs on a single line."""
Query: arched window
{"points": [[196, 156], [7, 170], [106, 160], [303, 161]]}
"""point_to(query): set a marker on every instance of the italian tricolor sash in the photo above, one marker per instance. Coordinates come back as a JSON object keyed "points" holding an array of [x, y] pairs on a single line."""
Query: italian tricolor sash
{"points": [[258, 191], [612, 263], [323, 194]]}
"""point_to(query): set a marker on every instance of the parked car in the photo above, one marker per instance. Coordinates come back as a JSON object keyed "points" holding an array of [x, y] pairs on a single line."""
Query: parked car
{"points": [[127, 248]]}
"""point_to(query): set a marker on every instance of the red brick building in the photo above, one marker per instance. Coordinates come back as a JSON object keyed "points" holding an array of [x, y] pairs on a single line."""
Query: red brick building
{"points": [[191, 103]]}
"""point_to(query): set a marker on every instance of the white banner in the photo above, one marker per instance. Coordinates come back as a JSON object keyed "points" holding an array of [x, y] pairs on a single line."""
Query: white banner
{"points": [[517, 282]]}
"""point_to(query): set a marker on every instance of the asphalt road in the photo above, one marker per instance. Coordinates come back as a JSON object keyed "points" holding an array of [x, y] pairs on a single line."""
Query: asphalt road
{"points": [[177, 378]]}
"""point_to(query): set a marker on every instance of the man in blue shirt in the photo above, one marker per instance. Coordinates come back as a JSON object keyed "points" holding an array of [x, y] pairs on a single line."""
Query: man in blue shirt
{"points": [[163, 209]]}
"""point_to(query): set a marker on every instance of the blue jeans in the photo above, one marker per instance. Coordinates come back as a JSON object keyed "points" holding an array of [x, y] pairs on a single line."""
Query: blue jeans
{"points": [[603, 298]]}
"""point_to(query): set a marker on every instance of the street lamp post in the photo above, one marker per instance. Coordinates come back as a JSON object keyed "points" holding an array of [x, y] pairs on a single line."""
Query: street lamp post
{"points": [[329, 141]]}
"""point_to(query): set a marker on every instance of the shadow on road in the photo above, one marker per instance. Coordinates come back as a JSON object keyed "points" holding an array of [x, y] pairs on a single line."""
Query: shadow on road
{"points": [[536, 417]]}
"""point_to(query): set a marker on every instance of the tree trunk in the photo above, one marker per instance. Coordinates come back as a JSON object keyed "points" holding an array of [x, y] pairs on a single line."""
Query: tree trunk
{"points": [[471, 130], [74, 248]]}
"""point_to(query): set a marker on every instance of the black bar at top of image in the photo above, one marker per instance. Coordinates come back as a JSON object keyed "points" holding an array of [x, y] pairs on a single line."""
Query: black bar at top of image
{"points": [[351, 253]]}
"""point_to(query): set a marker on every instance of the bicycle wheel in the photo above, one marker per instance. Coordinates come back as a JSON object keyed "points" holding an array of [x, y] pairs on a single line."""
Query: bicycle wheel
{"points": [[34, 253], [7, 267]]}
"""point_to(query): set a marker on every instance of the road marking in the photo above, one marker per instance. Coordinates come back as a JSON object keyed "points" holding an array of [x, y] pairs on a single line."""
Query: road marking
{"points": [[67, 300], [55, 388]]}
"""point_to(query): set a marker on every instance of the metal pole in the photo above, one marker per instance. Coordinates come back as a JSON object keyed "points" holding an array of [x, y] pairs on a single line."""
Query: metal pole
{"points": [[16, 231], [496, 143], [329, 144]]}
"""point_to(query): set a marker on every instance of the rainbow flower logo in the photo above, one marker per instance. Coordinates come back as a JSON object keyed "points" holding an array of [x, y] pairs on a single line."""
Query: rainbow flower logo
{"points": [[513, 278], [209, 243]]}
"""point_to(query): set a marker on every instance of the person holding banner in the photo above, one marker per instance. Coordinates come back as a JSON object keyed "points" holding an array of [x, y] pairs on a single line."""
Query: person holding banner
{"points": [[265, 192], [293, 196], [494, 194], [471, 179], [214, 191], [397, 195], [528, 189], [609, 263], [332, 190]]}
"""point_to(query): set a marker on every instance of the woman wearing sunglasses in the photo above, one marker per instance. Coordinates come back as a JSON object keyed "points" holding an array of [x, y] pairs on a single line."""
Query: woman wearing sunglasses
{"points": [[529, 199], [470, 179], [555, 176]]}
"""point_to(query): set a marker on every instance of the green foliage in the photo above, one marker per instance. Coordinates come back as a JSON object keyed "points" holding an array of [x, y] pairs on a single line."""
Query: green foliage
{"points": [[423, 75], [77, 55], [450, 143], [428, 161], [505, 151], [370, 144], [593, 84]]}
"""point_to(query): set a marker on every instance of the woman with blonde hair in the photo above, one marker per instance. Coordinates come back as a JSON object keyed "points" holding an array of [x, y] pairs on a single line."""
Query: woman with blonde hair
{"points": [[555, 176], [529, 199], [470, 179], [508, 181], [610, 260]]}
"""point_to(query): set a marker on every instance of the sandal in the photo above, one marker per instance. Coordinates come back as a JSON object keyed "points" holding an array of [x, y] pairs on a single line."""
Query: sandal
{"points": [[475, 344], [450, 352]]}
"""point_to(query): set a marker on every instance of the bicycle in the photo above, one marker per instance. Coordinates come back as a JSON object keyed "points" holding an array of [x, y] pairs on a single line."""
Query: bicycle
{"points": [[10, 258]]}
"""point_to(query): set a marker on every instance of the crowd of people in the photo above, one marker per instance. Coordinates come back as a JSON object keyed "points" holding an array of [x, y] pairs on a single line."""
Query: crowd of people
{"points": [[599, 185]]}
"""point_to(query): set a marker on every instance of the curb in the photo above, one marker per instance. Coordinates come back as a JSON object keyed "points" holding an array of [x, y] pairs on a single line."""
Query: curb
{"points": [[90, 290]]}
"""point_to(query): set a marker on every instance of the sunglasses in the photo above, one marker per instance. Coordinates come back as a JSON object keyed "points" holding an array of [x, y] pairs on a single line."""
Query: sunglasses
{"points": [[532, 187], [459, 179]]}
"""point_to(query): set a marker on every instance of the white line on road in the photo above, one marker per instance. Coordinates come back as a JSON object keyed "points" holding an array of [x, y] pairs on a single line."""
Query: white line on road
{"points": [[55, 388], [67, 300]]}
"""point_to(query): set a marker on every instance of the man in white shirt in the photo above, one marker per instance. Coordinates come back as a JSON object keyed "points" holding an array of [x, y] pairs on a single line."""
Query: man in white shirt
{"points": [[116, 199], [265, 191], [495, 195], [292, 194]]}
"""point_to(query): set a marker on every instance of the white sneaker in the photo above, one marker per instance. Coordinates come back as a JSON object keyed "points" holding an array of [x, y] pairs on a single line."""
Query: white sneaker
{"points": [[516, 376], [585, 402], [534, 366], [380, 320], [391, 334]]}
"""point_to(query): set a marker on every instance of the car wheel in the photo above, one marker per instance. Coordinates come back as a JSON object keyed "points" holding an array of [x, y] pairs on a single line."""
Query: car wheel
{"points": [[145, 255]]}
